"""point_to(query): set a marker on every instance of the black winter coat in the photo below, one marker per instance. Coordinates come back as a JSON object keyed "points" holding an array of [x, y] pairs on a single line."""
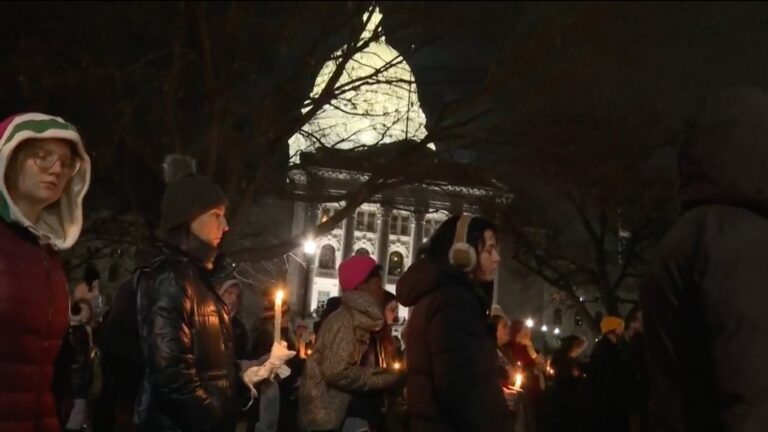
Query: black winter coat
{"points": [[607, 383], [240, 338], [122, 362], [191, 376], [451, 353]]}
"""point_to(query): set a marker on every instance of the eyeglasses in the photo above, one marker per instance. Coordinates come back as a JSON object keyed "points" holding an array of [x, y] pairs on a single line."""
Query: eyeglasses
{"points": [[46, 160]]}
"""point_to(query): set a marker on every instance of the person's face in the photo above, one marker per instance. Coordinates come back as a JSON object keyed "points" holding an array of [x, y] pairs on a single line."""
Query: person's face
{"points": [[374, 288], [502, 333], [232, 298], [488, 258], [390, 313], [40, 169], [211, 226]]}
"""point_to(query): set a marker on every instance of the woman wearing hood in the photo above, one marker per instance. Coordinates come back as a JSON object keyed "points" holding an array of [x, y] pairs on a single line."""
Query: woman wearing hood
{"points": [[45, 175], [451, 356], [232, 293]]}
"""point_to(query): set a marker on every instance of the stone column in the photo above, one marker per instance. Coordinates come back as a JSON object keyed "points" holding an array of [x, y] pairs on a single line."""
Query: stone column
{"points": [[309, 270], [417, 233], [382, 238], [348, 237]]}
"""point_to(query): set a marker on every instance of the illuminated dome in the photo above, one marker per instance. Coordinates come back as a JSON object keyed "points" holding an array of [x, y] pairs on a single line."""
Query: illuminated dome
{"points": [[378, 102]]}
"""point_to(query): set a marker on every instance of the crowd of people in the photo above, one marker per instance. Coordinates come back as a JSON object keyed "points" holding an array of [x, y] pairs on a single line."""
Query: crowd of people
{"points": [[172, 353]]}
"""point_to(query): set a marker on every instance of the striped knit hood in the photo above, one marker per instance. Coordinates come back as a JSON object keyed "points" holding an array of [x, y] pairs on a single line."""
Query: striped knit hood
{"points": [[60, 223]]}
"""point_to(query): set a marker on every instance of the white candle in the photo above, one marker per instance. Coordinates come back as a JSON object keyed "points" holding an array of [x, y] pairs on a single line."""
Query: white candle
{"points": [[518, 381], [278, 314]]}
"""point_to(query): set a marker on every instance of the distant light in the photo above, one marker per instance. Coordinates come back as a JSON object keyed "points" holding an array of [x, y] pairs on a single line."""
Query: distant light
{"points": [[544, 328], [310, 247], [529, 323], [557, 331], [581, 299]]}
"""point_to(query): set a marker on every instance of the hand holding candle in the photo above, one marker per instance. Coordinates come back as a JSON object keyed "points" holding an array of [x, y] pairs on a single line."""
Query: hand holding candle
{"points": [[278, 315], [518, 381]]}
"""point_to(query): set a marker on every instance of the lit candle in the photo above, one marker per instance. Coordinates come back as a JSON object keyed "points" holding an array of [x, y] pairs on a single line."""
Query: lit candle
{"points": [[302, 348], [518, 381], [396, 365], [278, 314]]}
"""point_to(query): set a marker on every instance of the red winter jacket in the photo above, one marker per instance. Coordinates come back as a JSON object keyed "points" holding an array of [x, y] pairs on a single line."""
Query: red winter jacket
{"points": [[34, 316]]}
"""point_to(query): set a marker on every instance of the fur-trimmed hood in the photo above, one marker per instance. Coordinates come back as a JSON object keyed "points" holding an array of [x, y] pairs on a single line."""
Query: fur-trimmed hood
{"points": [[60, 223]]}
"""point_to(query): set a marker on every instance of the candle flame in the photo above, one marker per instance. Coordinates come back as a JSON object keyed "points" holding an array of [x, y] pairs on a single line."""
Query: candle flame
{"points": [[279, 297], [518, 380], [396, 365]]}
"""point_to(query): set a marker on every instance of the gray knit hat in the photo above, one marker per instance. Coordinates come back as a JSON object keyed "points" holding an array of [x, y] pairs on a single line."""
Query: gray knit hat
{"points": [[187, 194]]}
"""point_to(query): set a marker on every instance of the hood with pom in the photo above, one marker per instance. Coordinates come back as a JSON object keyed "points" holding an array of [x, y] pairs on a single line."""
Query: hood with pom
{"points": [[61, 222], [187, 194]]}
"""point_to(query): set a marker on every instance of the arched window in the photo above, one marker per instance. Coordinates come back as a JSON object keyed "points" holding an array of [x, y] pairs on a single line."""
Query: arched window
{"points": [[327, 260], [362, 252], [396, 261]]}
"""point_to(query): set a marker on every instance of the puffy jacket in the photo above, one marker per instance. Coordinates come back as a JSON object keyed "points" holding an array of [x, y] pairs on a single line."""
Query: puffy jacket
{"points": [[191, 375], [34, 316], [333, 371], [451, 356], [34, 311]]}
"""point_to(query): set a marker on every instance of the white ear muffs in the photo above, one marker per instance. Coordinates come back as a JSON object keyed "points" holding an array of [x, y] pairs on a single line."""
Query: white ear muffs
{"points": [[462, 254]]}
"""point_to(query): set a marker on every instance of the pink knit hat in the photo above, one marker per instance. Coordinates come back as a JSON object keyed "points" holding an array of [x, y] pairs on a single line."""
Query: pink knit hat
{"points": [[354, 270]]}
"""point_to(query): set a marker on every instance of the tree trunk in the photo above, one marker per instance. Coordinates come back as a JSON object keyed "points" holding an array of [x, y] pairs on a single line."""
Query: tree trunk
{"points": [[611, 303]]}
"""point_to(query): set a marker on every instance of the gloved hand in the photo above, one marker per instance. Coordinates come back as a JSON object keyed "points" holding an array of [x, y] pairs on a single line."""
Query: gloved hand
{"points": [[275, 365], [279, 355], [255, 375]]}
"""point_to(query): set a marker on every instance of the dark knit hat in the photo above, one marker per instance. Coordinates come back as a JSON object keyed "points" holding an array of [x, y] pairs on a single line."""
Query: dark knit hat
{"points": [[187, 194]]}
